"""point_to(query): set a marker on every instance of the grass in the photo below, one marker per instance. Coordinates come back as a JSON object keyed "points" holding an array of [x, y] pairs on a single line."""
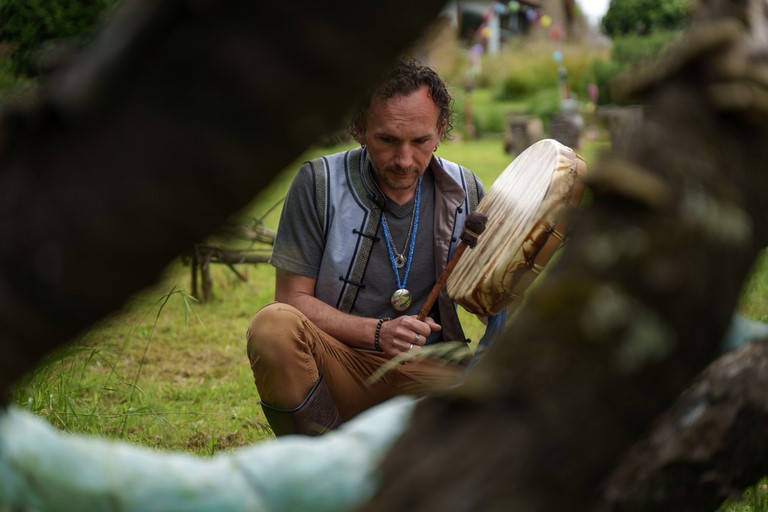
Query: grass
{"points": [[162, 373], [754, 302], [755, 499]]}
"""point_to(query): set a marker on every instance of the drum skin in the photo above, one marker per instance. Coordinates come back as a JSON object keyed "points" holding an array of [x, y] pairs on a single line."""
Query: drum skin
{"points": [[527, 210]]}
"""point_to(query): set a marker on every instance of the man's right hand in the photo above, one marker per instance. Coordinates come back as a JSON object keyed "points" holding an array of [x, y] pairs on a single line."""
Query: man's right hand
{"points": [[405, 333]]}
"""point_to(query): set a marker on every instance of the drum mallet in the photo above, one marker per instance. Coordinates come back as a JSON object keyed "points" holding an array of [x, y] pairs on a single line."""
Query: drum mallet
{"points": [[473, 228]]}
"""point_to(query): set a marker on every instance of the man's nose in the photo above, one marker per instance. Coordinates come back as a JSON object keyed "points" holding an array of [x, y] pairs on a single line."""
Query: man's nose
{"points": [[404, 157]]}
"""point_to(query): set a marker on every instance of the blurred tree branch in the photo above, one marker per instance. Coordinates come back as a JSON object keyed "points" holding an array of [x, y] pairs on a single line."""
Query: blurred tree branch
{"points": [[173, 119], [634, 309]]}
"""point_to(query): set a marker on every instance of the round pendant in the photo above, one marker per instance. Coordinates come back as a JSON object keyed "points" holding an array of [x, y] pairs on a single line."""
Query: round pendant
{"points": [[400, 260], [401, 299]]}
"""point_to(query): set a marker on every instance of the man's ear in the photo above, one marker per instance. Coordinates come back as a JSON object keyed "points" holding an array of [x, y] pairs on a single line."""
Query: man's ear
{"points": [[359, 135], [441, 129]]}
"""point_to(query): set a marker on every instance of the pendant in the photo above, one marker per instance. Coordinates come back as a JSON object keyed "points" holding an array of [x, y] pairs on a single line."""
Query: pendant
{"points": [[400, 260], [401, 299]]}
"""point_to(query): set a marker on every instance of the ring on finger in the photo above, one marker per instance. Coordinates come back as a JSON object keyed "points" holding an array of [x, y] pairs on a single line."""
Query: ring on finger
{"points": [[416, 338]]}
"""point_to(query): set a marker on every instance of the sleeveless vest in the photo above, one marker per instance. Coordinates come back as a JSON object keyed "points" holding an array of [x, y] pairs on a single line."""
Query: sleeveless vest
{"points": [[349, 205]]}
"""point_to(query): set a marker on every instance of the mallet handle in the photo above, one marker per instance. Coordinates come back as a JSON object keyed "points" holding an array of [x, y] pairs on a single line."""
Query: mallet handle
{"points": [[441, 281]]}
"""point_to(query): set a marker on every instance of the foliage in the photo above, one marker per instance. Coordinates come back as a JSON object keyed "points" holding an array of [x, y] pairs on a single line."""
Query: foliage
{"points": [[544, 104], [643, 17], [523, 68], [29, 26], [517, 86], [13, 87], [755, 499], [488, 113], [628, 52], [641, 30], [524, 78], [754, 302], [604, 73], [632, 49]]}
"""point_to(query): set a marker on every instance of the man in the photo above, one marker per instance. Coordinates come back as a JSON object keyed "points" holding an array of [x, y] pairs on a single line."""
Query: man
{"points": [[363, 236]]}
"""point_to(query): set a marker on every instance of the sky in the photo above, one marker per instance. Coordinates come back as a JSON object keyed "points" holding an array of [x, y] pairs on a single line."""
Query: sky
{"points": [[593, 9]]}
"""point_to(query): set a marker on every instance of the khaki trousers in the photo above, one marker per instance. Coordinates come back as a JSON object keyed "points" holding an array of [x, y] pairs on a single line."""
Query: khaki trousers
{"points": [[288, 354]]}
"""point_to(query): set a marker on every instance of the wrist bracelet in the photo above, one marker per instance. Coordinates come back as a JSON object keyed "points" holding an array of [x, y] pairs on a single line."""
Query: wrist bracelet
{"points": [[376, 343]]}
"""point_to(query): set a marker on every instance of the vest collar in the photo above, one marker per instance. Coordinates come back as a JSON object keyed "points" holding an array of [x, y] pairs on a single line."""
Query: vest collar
{"points": [[451, 189], [372, 191]]}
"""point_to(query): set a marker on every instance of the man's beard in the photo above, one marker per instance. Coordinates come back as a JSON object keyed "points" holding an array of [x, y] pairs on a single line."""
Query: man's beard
{"points": [[399, 185]]}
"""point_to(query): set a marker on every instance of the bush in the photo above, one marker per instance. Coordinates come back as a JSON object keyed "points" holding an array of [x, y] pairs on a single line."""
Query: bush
{"points": [[632, 50], [488, 113], [524, 79], [494, 121], [532, 68], [14, 88], [643, 17], [544, 104], [604, 73], [629, 52], [29, 25], [520, 85]]}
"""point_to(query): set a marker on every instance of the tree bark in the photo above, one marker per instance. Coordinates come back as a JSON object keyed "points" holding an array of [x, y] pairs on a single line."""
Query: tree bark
{"points": [[710, 446], [636, 306], [171, 121]]}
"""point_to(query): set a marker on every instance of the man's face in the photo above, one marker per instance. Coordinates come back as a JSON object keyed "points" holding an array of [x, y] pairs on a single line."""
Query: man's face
{"points": [[401, 134]]}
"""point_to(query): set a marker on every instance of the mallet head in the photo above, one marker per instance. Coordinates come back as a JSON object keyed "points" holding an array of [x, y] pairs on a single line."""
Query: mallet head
{"points": [[473, 228]]}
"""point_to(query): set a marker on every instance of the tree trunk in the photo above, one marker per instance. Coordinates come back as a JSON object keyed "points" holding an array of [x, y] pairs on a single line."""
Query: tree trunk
{"points": [[710, 446], [635, 308]]}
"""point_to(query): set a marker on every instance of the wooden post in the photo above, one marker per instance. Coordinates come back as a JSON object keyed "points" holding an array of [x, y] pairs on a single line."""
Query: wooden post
{"points": [[195, 265], [205, 274]]}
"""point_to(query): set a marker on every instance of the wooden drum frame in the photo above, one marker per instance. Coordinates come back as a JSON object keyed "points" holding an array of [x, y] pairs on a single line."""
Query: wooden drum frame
{"points": [[527, 209]]}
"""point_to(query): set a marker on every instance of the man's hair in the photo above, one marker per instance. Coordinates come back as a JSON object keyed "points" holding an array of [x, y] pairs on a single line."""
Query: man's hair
{"points": [[405, 77]]}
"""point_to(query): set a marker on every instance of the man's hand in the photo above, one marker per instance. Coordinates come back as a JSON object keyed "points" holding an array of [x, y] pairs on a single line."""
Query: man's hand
{"points": [[405, 333]]}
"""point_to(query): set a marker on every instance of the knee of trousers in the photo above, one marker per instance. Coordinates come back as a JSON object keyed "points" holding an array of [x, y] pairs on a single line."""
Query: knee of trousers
{"points": [[275, 333]]}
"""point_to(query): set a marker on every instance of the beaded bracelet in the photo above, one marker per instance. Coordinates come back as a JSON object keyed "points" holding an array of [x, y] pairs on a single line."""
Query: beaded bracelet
{"points": [[376, 343]]}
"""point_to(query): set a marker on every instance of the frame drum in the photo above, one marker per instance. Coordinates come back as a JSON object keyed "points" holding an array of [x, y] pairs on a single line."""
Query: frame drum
{"points": [[526, 224]]}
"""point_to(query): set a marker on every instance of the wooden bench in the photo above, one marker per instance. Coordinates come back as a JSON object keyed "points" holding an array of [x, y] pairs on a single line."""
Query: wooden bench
{"points": [[205, 254]]}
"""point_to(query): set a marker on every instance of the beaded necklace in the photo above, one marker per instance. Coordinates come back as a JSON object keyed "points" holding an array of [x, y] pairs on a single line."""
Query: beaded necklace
{"points": [[401, 298]]}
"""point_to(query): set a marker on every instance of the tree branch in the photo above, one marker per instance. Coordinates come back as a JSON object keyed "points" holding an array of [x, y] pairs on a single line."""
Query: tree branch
{"points": [[177, 115], [635, 308]]}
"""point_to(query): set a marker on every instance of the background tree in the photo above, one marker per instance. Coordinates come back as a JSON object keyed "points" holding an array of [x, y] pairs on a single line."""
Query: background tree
{"points": [[640, 30], [642, 17], [31, 26]]}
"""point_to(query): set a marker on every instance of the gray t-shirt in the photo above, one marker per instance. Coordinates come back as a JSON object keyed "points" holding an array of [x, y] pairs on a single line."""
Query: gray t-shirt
{"points": [[299, 248]]}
